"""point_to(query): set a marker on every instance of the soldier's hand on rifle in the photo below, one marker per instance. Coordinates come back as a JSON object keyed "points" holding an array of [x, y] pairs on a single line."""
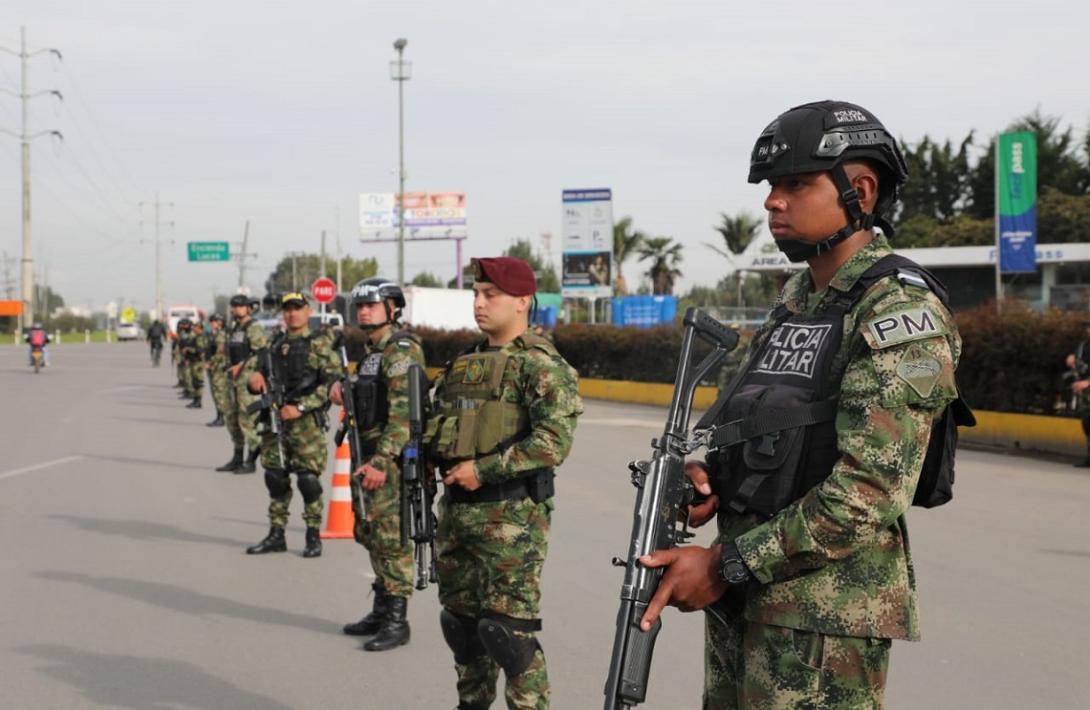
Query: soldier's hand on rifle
{"points": [[702, 513], [463, 474], [233, 371], [256, 383], [373, 479], [289, 412], [335, 394], [691, 581]]}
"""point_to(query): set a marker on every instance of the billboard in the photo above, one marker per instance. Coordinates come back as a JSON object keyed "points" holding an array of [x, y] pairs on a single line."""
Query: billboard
{"points": [[1016, 203], [426, 213], [587, 260]]}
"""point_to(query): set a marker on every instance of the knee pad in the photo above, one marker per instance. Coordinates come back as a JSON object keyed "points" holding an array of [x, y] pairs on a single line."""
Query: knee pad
{"points": [[513, 653], [310, 486], [460, 633], [277, 481]]}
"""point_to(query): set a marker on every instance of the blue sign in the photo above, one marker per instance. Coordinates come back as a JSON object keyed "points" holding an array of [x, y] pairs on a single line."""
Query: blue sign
{"points": [[644, 311]]}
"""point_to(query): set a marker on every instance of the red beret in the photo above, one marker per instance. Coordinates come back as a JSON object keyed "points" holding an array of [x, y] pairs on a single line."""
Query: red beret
{"points": [[512, 276]]}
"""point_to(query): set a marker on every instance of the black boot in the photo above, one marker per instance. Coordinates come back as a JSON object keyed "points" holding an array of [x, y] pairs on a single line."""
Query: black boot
{"points": [[273, 542], [250, 464], [394, 631], [314, 543], [371, 623], [234, 463], [195, 404], [218, 421]]}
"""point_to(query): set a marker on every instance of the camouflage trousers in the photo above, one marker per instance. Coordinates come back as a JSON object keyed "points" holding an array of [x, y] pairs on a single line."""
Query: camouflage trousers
{"points": [[304, 453], [750, 666], [195, 379], [241, 425], [221, 395], [378, 528], [489, 557]]}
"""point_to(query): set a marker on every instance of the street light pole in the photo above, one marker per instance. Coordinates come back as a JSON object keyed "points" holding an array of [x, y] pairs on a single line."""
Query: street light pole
{"points": [[400, 71]]}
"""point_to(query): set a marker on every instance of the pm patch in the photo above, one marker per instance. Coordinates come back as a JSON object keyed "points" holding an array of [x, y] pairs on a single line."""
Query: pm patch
{"points": [[903, 326], [920, 370]]}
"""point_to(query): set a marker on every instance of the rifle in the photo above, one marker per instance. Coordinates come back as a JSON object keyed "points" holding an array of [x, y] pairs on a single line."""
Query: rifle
{"points": [[349, 424], [418, 522], [663, 494], [272, 399]]}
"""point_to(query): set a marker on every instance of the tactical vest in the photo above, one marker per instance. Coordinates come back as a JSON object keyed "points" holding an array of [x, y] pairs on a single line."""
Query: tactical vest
{"points": [[212, 346], [238, 345], [291, 363], [372, 390], [471, 421], [774, 431]]}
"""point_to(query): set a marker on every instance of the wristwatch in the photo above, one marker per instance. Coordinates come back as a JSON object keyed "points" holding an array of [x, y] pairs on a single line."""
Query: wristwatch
{"points": [[732, 568]]}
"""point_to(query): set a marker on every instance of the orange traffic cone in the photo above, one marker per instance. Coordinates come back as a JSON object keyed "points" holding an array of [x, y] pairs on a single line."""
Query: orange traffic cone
{"points": [[340, 519]]}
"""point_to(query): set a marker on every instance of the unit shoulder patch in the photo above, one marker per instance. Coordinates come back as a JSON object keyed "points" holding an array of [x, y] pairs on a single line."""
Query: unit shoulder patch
{"points": [[920, 370], [902, 326]]}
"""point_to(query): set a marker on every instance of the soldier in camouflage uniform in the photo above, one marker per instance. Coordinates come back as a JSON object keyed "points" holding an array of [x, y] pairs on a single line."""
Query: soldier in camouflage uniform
{"points": [[194, 353], [181, 337], [505, 415], [216, 364], [305, 365], [382, 412], [245, 338], [812, 577], [1076, 378]]}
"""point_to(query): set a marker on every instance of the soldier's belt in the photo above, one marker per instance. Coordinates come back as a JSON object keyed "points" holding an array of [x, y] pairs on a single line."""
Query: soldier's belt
{"points": [[536, 484]]}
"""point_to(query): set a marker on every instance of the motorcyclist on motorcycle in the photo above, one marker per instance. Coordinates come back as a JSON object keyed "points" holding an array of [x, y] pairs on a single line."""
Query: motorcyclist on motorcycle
{"points": [[38, 338]]}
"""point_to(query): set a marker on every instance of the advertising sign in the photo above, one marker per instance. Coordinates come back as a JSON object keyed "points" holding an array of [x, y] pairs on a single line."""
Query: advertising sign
{"points": [[1016, 206], [587, 261], [426, 213]]}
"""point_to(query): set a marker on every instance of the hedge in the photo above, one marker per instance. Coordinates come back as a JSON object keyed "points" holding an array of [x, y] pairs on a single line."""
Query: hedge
{"points": [[1012, 362]]}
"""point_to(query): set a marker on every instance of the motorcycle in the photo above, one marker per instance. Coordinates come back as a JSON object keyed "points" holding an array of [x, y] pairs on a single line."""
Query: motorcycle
{"points": [[36, 358]]}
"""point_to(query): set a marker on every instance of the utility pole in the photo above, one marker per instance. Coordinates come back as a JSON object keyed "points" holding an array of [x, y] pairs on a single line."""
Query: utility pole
{"points": [[25, 137], [340, 258], [158, 261], [294, 271], [401, 71], [243, 255], [323, 254], [9, 282]]}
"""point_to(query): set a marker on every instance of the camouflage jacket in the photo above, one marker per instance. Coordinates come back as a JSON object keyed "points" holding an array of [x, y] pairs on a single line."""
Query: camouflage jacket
{"points": [[548, 388], [193, 347], [837, 560], [257, 337], [390, 438], [322, 358], [218, 358]]}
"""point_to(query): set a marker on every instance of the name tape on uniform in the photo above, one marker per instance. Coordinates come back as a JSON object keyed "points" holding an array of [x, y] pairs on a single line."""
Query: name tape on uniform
{"points": [[903, 326], [793, 349]]}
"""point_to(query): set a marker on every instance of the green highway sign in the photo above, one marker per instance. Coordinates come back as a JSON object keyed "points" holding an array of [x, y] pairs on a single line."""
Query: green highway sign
{"points": [[209, 251]]}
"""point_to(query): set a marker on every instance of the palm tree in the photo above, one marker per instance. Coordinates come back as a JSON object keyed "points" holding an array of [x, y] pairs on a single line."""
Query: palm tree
{"points": [[664, 255], [737, 233], [625, 241]]}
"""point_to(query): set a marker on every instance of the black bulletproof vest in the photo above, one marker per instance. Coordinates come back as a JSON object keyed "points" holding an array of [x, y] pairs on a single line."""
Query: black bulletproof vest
{"points": [[774, 430], [291, 362], [238, 345], [372, 393]]}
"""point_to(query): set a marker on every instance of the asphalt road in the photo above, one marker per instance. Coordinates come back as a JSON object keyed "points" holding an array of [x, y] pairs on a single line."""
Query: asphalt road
{"points": [[125, 584]]}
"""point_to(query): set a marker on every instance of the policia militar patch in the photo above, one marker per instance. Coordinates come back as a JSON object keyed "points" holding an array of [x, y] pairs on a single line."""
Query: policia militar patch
{"points": [[903, 326]]}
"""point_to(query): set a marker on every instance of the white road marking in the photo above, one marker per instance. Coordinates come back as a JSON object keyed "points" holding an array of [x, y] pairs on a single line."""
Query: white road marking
{"points": [[37, 467]]}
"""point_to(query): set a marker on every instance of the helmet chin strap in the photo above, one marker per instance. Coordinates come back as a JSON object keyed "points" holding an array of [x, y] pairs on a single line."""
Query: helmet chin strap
{"points": [[391, 319], [796, 251]]}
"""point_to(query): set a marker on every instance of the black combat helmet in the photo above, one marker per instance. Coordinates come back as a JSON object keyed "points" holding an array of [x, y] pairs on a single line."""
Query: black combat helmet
{"points": [[271, 302], [215, 317], [241, 299], [821, 136], [379, 290]]}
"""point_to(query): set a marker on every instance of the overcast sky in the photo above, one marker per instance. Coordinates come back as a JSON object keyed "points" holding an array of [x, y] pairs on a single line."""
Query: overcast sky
{"points": [[282, 113]]}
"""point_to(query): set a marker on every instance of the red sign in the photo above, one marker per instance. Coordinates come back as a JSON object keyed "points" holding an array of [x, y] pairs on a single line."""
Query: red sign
{"points": [[324, 290]]}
